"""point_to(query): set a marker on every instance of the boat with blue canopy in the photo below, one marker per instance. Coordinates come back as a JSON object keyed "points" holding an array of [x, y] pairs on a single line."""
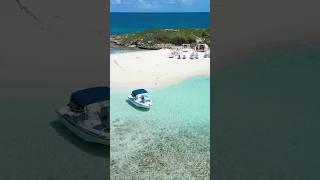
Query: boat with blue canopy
{"points": [[140, 98], [87, 114]]}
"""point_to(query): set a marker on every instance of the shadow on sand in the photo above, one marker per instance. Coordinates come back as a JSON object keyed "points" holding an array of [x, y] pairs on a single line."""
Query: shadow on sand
{"points": [[137, 108], [92, 148]]}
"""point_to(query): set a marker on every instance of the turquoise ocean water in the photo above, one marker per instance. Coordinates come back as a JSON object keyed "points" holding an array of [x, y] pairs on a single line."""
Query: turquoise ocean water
{"points": [[122, 23], [171, 140]]}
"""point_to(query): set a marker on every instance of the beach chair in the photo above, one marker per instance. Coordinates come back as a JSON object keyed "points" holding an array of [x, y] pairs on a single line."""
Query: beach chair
{"points": [[192, 56], [197, 56]]}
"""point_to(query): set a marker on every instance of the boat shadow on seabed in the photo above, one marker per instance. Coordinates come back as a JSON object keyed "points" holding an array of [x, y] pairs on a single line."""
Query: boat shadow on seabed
{"points": [[92, 148]]}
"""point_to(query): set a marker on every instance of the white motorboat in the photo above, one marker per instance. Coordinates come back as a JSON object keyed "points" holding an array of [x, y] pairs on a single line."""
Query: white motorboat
{"points": [[140, 98], [87, 114]]}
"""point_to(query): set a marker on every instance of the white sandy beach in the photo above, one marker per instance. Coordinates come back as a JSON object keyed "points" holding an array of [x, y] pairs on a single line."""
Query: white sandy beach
{"points": [[153, 68]]}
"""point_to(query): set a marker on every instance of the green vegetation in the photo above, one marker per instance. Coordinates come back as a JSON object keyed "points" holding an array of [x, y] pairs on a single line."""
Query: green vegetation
{"points": [[157, 39]]}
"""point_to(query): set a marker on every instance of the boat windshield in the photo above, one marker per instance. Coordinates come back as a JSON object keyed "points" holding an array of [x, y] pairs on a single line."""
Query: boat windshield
{"points": [[74, 107]]}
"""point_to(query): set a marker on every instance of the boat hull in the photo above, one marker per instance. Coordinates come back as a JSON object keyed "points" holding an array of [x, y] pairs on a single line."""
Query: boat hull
{"points": [[138, 104], [82, 133]]}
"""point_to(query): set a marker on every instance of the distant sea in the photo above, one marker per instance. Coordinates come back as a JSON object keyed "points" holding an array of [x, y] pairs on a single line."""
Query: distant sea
{"points": [[122, 23]]}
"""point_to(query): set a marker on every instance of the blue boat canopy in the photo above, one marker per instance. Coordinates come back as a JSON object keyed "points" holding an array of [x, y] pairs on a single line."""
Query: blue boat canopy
{"points": [[138, 91], [91, 95]]}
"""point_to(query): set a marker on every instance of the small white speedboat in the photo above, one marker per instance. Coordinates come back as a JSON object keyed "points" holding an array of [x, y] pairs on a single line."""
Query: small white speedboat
{"points": [[87, 115], [140, 98]]}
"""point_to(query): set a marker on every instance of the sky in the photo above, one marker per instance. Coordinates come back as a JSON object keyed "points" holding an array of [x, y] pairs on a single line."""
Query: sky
{"points": [[159, 5]]}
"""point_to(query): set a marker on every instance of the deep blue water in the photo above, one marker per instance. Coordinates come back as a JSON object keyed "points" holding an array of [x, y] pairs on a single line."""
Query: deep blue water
{"points": [[122, 23]]}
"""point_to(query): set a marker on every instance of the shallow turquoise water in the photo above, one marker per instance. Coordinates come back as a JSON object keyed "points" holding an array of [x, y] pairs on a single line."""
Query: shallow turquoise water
{"points": [[171, 140]]}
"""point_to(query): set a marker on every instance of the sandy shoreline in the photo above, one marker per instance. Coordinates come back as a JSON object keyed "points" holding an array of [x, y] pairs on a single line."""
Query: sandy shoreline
{"points": [[150, 69]]}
